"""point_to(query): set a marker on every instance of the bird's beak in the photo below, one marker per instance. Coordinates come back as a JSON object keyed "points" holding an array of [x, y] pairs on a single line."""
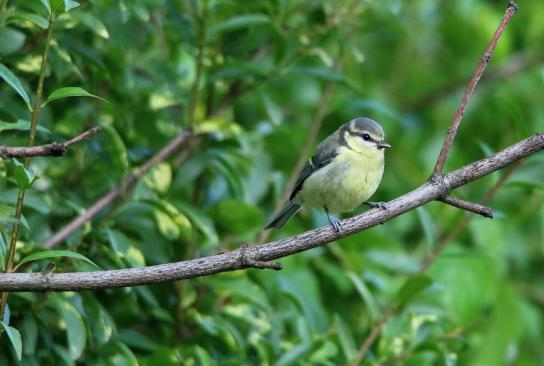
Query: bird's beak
{"points": [[383, 145]]}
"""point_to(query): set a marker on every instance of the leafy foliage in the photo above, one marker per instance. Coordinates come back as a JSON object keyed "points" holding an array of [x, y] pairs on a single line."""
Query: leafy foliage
{"points": [[265, 65]]}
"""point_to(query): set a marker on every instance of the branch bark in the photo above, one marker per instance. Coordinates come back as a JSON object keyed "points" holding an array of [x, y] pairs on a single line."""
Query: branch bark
{"points": [[240, 258], [52, 149]]}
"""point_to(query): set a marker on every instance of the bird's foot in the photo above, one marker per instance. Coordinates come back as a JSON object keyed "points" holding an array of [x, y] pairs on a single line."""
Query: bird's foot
{"points": [[382, 205], [335, 223]]}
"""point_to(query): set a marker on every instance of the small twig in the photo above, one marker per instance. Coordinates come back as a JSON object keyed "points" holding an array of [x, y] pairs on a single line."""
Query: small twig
{"points": [[452, 131], [54, 149], [468, 206], [248, 262]]}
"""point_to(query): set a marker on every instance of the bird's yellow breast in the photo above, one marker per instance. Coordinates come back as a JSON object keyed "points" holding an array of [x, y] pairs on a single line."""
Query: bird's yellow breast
{"points": [[349, 180]]}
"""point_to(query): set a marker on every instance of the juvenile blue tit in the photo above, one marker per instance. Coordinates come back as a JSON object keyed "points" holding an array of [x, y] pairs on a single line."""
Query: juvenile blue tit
{"points": [[344, 172]]}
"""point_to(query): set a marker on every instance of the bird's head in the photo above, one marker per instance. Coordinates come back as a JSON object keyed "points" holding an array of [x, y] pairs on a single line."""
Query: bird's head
{"points": [[363, 135]]}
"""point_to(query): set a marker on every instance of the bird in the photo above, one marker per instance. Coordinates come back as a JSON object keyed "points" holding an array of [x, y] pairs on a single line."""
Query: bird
{"points": [[345, 171]]}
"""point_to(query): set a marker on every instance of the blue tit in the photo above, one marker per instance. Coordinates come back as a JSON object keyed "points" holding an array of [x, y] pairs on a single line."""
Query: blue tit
{"points": [[344, 172]]}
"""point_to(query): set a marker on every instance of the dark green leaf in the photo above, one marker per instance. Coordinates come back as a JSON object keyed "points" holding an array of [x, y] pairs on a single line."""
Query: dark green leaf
{"points": [[24, 176], [237, 22], [34, 18], [20, 125], [412, 288], [13, 81], [14, 338], [53, 254]]}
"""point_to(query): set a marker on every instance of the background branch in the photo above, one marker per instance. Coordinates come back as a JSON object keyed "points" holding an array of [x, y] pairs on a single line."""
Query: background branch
{"points": [[120, 190], [51, 149], [238, 259], [452, 131]]}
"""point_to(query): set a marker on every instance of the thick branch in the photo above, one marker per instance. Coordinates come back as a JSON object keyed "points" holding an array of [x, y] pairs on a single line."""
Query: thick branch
{"points": [[452, 131], [52, 149], [126, 186], [234, 260]]}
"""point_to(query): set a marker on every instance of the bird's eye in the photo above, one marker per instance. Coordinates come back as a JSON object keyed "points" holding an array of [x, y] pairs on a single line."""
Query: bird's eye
{"points": [[366, 137]]}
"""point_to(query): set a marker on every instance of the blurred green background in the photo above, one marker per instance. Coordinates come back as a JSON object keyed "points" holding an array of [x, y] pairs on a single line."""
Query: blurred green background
{"points": [[265, 66]]}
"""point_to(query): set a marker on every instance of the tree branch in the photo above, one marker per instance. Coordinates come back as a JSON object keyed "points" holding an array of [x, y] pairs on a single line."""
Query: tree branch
{"points": [[52, 149], [452, 131], [468, 206], [231, 261]]}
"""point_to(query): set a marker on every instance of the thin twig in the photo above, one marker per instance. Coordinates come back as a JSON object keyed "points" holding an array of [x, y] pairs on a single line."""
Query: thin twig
{"points": [[452, 131], [52, 149], [468, 206], [231, 261]]}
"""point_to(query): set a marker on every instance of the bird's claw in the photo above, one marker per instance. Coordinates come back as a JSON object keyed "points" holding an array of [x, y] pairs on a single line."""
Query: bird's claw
{"points": [[381, 205], [336, 225]]}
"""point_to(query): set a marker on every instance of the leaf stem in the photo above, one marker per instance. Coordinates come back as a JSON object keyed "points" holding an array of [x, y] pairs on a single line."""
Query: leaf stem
{"points": [[33, 126]]}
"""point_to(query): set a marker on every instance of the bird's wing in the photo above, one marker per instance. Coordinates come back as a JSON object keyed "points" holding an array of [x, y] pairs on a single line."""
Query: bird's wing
{"points": [[321, 158]]}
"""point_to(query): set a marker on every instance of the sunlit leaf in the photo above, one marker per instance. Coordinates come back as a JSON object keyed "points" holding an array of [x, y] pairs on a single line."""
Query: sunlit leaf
{"points": [[76, 333]]}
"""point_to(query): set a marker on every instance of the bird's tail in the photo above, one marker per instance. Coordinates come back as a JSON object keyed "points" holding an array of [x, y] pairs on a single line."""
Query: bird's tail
{"points": [[282, 216]]}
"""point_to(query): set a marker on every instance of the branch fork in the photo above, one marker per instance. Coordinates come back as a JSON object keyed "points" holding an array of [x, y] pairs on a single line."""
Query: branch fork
{"points": [[247, 260]]}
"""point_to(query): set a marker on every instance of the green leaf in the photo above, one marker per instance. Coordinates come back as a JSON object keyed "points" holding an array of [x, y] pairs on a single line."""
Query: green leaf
{"points": [[47, 5], [14, 338], [428, 226], [13, 81], [70, 4], [124, 248], [238, 216], [345, 337], [19, 125], [70, 91], [24, 176], [76, 333], [53, 254], [159, 178], [31, 17], [11, 40], [366, 295], [238, 22], [93, 23], [412, 287]]}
